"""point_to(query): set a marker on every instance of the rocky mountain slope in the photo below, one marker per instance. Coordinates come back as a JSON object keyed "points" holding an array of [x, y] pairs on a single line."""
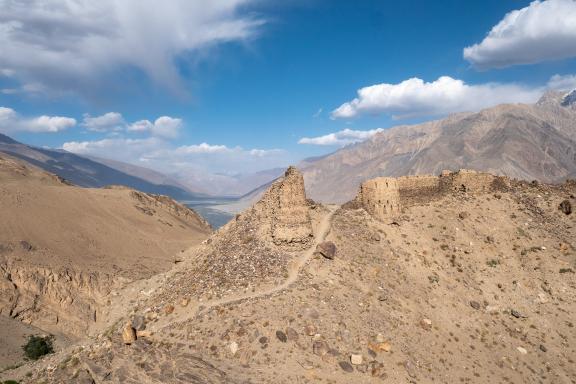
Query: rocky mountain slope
{"points": [[465, 277], [65, 249], [96, 172], [531, 142]]}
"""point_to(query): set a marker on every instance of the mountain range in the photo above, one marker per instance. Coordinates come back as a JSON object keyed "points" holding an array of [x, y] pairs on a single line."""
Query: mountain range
{"points": [[524, 141]]}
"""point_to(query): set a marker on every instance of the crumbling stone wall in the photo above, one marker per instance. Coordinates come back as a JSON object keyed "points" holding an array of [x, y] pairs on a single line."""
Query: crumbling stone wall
{"points": [[380, 196], [283, 212], [384, 197]]}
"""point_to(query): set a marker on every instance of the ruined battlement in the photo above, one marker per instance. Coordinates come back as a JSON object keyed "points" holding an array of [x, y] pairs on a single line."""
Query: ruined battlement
{"points": [[384, 197], [284, 213]]}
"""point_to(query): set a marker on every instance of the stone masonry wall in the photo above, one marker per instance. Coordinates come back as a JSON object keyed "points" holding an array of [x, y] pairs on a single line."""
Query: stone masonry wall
{"points": [[384, 197], [283, 212]]}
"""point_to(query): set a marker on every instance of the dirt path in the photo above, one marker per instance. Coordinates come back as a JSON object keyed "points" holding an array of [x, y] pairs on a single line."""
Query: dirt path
{"points": [[294, 269]]}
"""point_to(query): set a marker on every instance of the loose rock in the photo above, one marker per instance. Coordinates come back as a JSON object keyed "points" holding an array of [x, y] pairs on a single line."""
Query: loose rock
{"points": [[310, 330], [281, 336], [291, 334], [516, 314], [138, 322], [326, 249], [565, 207], [233, 347], [320, 348], [426, 324], [346, 366], [128, 334], [356, 359], [475, 304], [522, 350], [168, 309]]}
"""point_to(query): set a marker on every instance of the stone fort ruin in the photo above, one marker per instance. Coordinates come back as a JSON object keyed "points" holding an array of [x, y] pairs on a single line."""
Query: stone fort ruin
{"points": [[384, 197]]}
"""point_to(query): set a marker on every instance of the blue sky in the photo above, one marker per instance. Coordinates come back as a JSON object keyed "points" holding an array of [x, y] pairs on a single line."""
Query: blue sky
{"points": [[240, 83]]}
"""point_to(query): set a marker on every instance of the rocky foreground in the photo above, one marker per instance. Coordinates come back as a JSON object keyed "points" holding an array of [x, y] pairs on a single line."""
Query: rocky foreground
{"points": [[472, 285]]}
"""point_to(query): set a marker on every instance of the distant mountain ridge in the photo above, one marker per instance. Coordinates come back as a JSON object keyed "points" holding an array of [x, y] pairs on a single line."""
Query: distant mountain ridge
{"points": [[536, 141], [96, 173]]}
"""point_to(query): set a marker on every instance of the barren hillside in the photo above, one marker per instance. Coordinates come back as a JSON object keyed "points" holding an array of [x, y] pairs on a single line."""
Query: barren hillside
{"points": [[460, 278], [64, 249]]}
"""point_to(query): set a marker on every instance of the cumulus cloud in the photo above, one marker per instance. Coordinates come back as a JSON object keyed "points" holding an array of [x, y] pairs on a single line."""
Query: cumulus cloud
{"points": [[111, 121], [11, 121], [562, 82], [341, 138], [544, 30], [73, 45], [202, 148], [164, 126], [161, 154], [416, 98]]}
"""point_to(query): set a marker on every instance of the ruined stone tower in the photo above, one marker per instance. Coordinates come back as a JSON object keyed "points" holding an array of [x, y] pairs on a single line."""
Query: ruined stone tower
{"points": [[380, 197], [384, 197], [283, 213]]}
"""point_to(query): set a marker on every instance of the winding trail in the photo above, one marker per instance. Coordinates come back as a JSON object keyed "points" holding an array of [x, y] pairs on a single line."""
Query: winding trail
{"points": [[294, 268]]}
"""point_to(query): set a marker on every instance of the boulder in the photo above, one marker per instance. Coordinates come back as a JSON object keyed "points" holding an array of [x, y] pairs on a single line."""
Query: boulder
{"points": [[128, 334], [326, 249], [565, 207]]}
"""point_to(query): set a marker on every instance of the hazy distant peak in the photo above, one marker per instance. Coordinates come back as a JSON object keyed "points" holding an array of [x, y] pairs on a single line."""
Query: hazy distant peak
{"points": [[551, 98], [569, 98]]}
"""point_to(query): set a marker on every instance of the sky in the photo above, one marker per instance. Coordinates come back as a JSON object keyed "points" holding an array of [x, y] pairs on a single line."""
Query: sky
{"points": [[237, 86]]}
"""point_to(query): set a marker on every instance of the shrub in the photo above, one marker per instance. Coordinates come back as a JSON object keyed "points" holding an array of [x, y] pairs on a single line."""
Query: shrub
{"points": [[38, 346]]}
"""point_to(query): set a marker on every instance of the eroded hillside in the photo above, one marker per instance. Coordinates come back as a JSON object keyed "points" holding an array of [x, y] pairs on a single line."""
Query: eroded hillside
{"points": [[64, 250], [471, 284]]}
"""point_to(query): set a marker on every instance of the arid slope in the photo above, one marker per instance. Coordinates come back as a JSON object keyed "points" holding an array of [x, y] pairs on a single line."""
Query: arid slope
{"points": [[64, 249], [464, 287]]}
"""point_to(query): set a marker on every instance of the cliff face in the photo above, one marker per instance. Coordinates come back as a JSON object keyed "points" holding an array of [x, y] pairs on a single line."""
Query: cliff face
{"points": [[59, 301], [384, 197]]}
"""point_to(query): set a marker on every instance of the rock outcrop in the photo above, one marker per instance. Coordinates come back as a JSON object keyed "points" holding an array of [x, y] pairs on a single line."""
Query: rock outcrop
{"points": [[384, 197]]}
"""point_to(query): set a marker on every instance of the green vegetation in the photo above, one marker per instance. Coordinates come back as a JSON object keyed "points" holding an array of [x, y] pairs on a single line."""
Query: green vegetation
{"points": [[38, 346], [493, 263]]}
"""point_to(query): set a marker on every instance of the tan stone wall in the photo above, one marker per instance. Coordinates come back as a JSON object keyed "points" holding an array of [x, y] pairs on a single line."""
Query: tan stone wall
{"points": [[384, 197], [283, 213], [381, 197]]}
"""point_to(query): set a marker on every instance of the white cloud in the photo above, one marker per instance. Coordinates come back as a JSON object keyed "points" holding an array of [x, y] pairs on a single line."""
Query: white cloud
{"points": [[544, 30], [341, 138], [7, 72], [202, 148], [74, 45], [11, 121], [141, 126], [416, 98], [562, 82], [123, 149], [111, 121], [163, 156], [164, 126]]}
